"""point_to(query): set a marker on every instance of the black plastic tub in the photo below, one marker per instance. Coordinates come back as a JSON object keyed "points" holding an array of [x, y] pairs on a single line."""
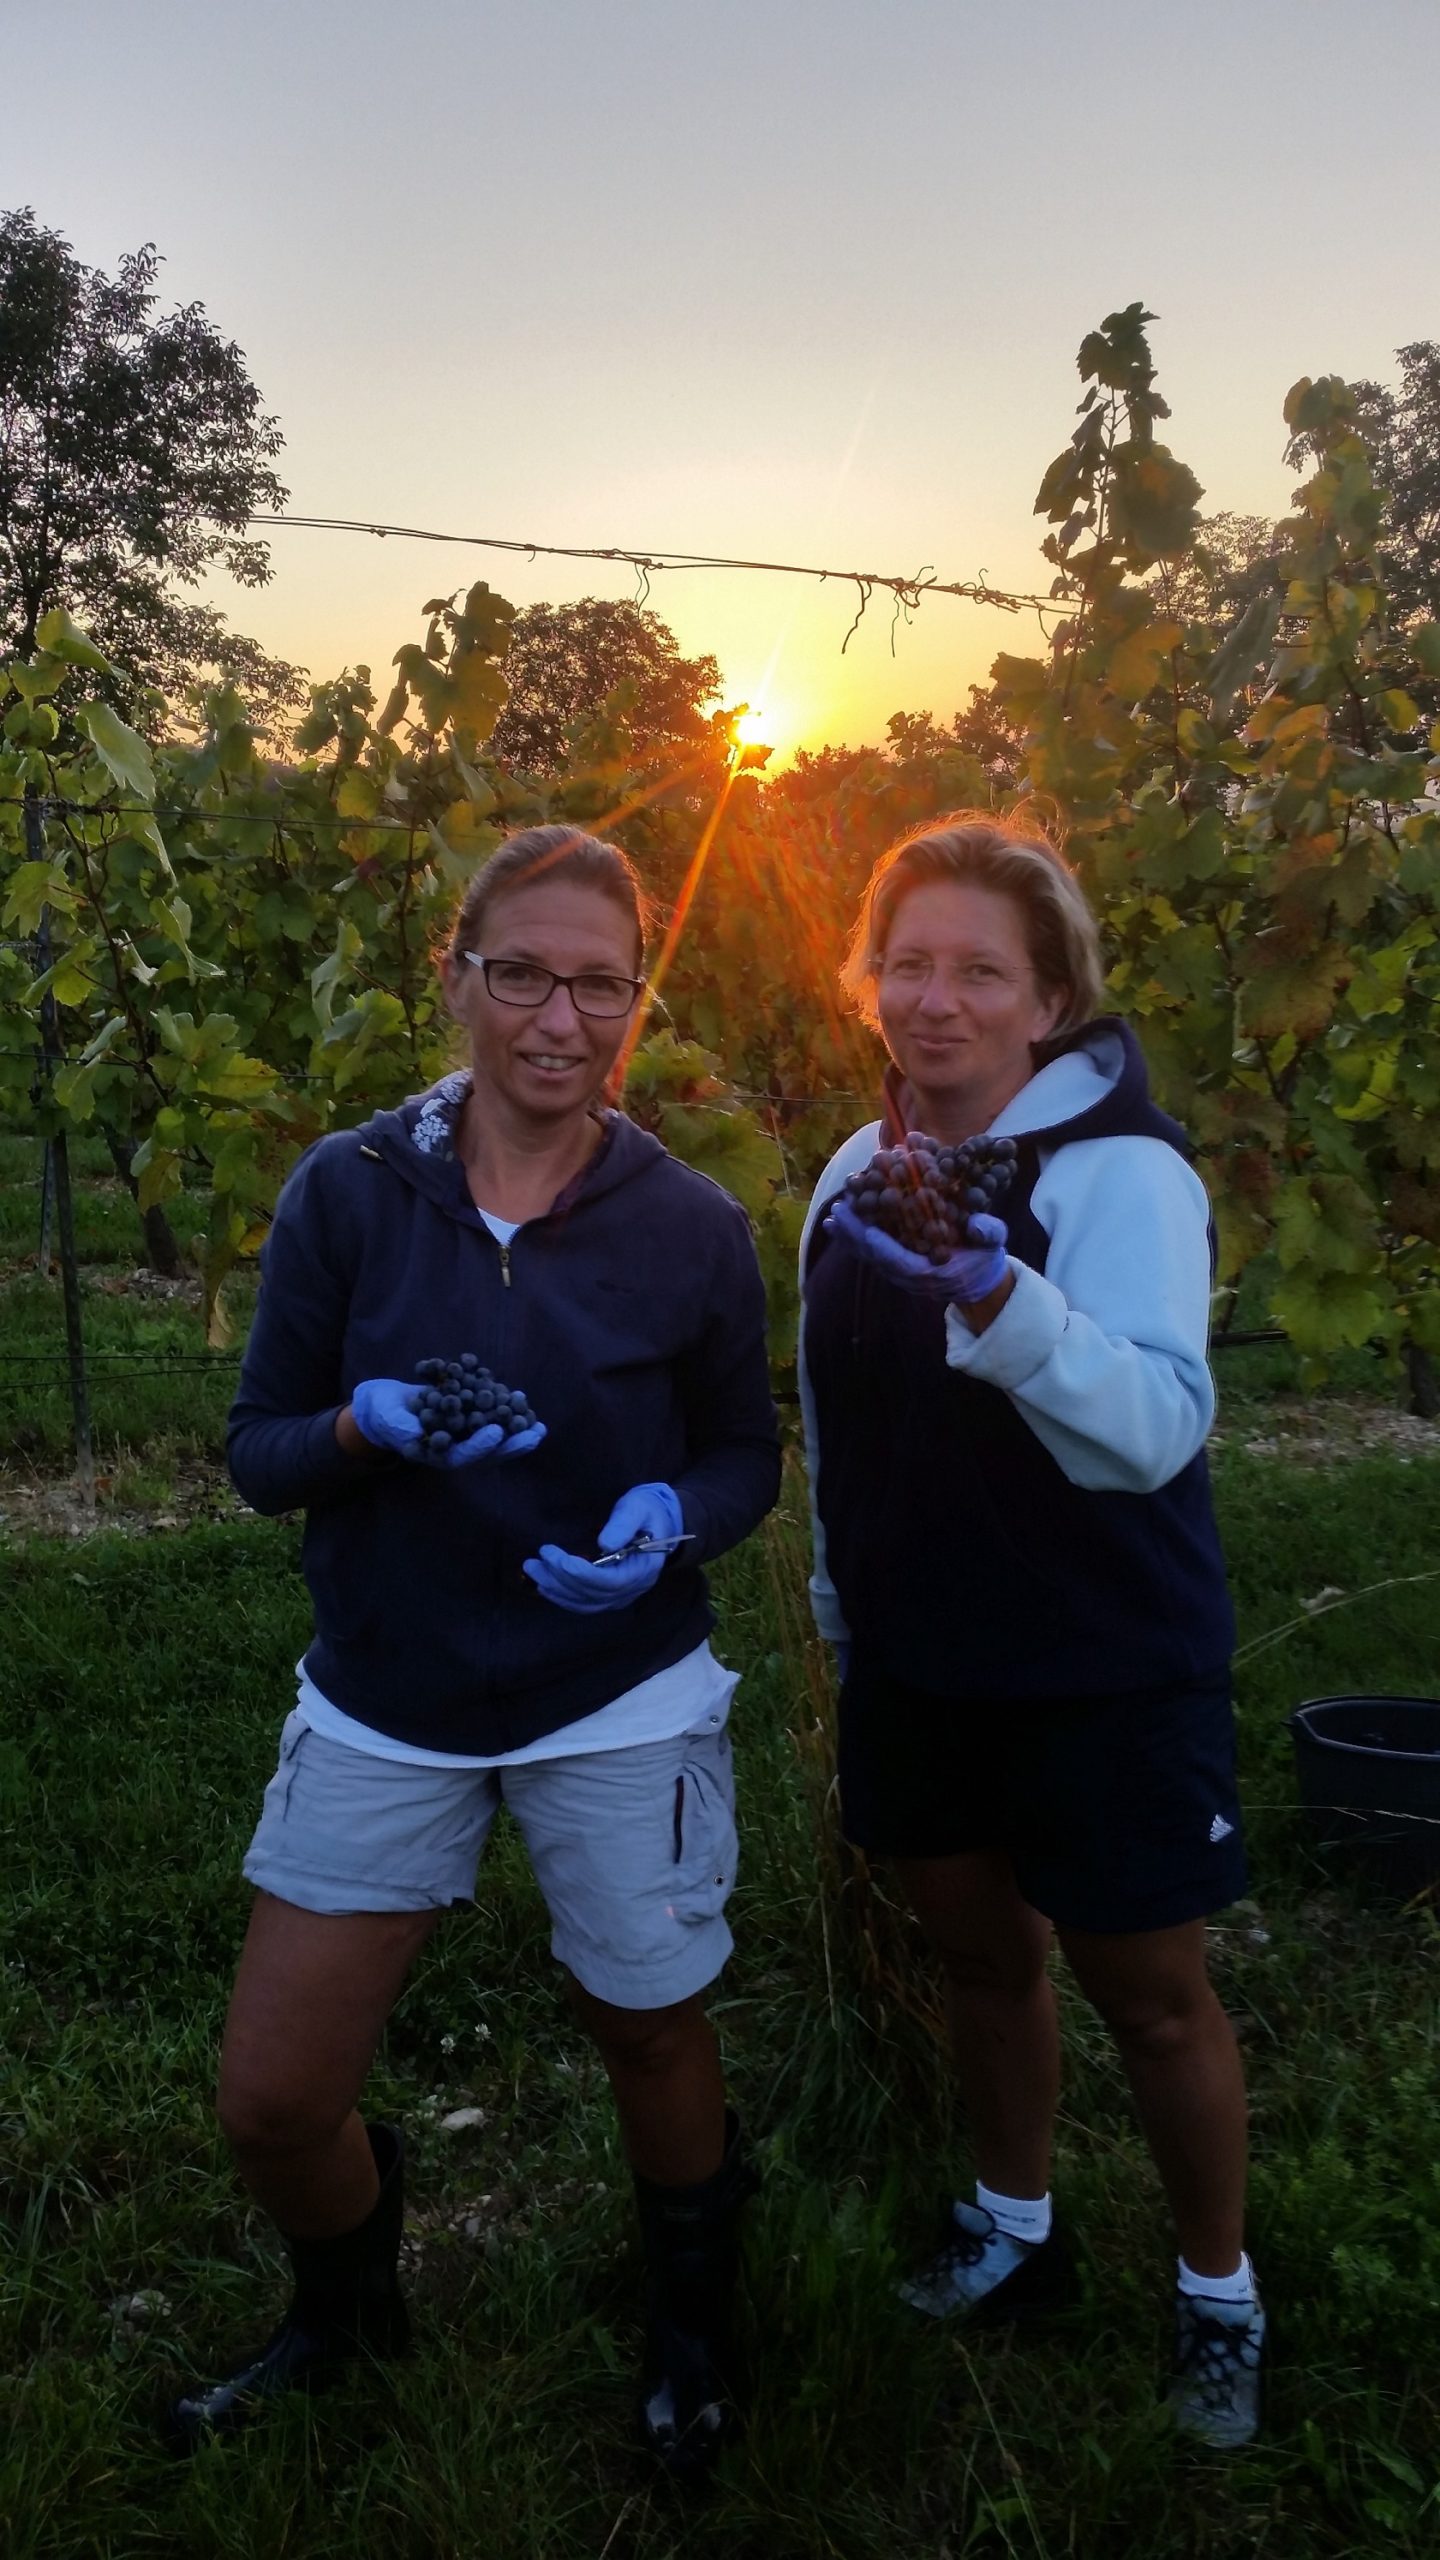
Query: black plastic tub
{"points": [[1369, 1777]]}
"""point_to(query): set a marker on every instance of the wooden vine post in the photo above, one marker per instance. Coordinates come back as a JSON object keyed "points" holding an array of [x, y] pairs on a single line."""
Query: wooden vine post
{"points": [[59, 1174]]}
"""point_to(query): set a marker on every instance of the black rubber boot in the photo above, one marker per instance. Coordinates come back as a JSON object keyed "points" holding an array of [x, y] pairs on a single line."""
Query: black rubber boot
{"points": [[692, 2261], [347, 2301]]}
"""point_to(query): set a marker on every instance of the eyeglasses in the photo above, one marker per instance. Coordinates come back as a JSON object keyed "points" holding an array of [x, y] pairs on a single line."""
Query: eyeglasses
{"points": [[524, 982]]}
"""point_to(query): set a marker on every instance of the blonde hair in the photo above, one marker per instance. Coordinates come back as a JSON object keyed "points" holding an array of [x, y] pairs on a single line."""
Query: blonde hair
{"points": [[996, 853]]}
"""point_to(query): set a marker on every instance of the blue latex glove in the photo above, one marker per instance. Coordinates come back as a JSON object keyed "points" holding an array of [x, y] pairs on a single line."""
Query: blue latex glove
{"points": [[970, 1274], [575, 1582], [384, 1410]]}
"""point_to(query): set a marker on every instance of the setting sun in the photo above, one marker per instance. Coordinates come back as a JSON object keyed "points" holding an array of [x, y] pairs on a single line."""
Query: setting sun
{"points": [[756, 727]]}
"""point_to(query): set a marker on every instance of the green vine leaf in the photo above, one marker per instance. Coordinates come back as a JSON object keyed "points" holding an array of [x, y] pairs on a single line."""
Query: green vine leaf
{"points": [[120, 748], [61, 638]]}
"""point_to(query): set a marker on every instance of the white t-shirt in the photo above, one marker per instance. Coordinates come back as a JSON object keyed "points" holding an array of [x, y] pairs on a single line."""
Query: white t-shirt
{"points": [[695, 1691]]}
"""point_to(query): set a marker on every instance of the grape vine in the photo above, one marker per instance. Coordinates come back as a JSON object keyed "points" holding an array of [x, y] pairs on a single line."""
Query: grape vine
{"points": [[1253, 811], [240, 951]]}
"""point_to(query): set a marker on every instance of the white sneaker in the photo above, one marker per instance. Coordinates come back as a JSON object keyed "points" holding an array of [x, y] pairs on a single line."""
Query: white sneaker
{"points": [[981, 2272], [1215, 2393]]}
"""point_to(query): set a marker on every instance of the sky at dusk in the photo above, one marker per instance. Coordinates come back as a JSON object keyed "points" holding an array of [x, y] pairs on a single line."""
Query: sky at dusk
{"points": [[803, 282]]}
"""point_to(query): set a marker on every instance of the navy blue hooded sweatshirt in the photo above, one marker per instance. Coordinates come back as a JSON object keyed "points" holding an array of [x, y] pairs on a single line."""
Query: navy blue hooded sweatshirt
{"points": [[958, 1547], [633, 1317]]}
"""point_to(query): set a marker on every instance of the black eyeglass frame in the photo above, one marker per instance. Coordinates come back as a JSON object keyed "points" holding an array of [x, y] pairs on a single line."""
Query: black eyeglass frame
{"points": [[484, 963]]}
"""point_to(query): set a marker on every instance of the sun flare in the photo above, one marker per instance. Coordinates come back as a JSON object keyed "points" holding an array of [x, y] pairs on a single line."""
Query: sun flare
{"points": [[757, 725]]}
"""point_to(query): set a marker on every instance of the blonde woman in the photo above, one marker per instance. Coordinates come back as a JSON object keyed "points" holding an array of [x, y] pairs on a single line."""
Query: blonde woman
{"points": [[1016, 1557]]}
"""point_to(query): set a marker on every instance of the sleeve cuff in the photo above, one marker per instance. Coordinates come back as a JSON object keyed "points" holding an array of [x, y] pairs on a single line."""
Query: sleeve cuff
{"points": [[1020, 1340], [695, 1525], [828, 1614], [323, 1462]]}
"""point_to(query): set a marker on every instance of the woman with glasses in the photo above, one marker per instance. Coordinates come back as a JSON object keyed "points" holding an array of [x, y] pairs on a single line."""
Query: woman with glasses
{"points": [[510, 1604], [1016, 1557]]}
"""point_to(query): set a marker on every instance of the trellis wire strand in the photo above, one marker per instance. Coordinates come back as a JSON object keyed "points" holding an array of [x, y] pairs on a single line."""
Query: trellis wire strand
{"points": [[908, 591]]}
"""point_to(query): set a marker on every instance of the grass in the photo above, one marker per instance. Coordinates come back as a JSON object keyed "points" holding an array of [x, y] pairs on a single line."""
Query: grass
{"points": [[141, 1687]]}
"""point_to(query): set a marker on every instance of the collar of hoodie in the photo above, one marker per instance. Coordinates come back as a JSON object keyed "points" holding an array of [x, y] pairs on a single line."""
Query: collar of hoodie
{"points": [[418, 1142]]}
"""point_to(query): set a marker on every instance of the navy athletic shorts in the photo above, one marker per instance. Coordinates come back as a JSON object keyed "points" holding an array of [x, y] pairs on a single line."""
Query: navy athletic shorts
{"points": [[1116, 1813]]}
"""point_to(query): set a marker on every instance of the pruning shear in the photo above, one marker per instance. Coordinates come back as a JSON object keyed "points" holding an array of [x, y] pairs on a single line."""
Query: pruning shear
{"points": [[645, 1545]]}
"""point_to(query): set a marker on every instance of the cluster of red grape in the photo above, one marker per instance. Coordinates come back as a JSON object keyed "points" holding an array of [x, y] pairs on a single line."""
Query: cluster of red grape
{"points": [[924, 1194], [457, 1398]]}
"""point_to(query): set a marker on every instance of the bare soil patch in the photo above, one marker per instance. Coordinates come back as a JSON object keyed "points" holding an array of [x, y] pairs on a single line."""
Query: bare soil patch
{"points": [[38, 1505], [1326, 1431]]}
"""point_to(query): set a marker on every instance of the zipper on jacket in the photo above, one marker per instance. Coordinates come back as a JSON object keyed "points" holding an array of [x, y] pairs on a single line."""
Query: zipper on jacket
{"points": [[504, 1262]]}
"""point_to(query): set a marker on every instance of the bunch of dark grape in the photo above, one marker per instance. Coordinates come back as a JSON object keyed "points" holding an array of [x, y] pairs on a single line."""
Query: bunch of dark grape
{"points": [[925, 1195], [456, 1398]]}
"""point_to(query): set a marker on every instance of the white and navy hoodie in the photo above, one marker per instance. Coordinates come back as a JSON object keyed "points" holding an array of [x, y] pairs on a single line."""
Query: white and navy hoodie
{"points": [[1026, 1512]]}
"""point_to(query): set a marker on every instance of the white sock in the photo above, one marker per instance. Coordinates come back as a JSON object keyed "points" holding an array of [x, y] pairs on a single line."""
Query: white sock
{"points": [[1019, 2217], [1239, 2287]]}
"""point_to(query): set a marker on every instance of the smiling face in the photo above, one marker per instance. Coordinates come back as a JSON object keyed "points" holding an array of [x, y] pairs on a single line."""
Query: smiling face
{"points": [[545, 1064], [959, 1003]]}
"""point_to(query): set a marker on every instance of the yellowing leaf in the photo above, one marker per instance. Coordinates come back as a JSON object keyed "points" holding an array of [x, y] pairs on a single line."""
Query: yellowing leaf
{"points": [[480, 694], [1383, 1067], [1195, 735], [358, 793], [70, 981], [1241, 1232], [1308, 720], [469, 838], [1022, 680], [1289, 991], [1265, 717], [234, 1078], [1142, 658]]}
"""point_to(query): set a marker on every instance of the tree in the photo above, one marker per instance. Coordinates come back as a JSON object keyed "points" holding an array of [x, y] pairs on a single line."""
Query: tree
{"points": [[1401, 431], [565, 661], [133, 451], [225, 954], [1232, 563], [1255, 823], [985, 731]]}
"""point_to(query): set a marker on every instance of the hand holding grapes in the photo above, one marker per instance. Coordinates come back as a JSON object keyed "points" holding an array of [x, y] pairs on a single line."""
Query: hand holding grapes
{"points": [[457, 1414], [921, 1215]]}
